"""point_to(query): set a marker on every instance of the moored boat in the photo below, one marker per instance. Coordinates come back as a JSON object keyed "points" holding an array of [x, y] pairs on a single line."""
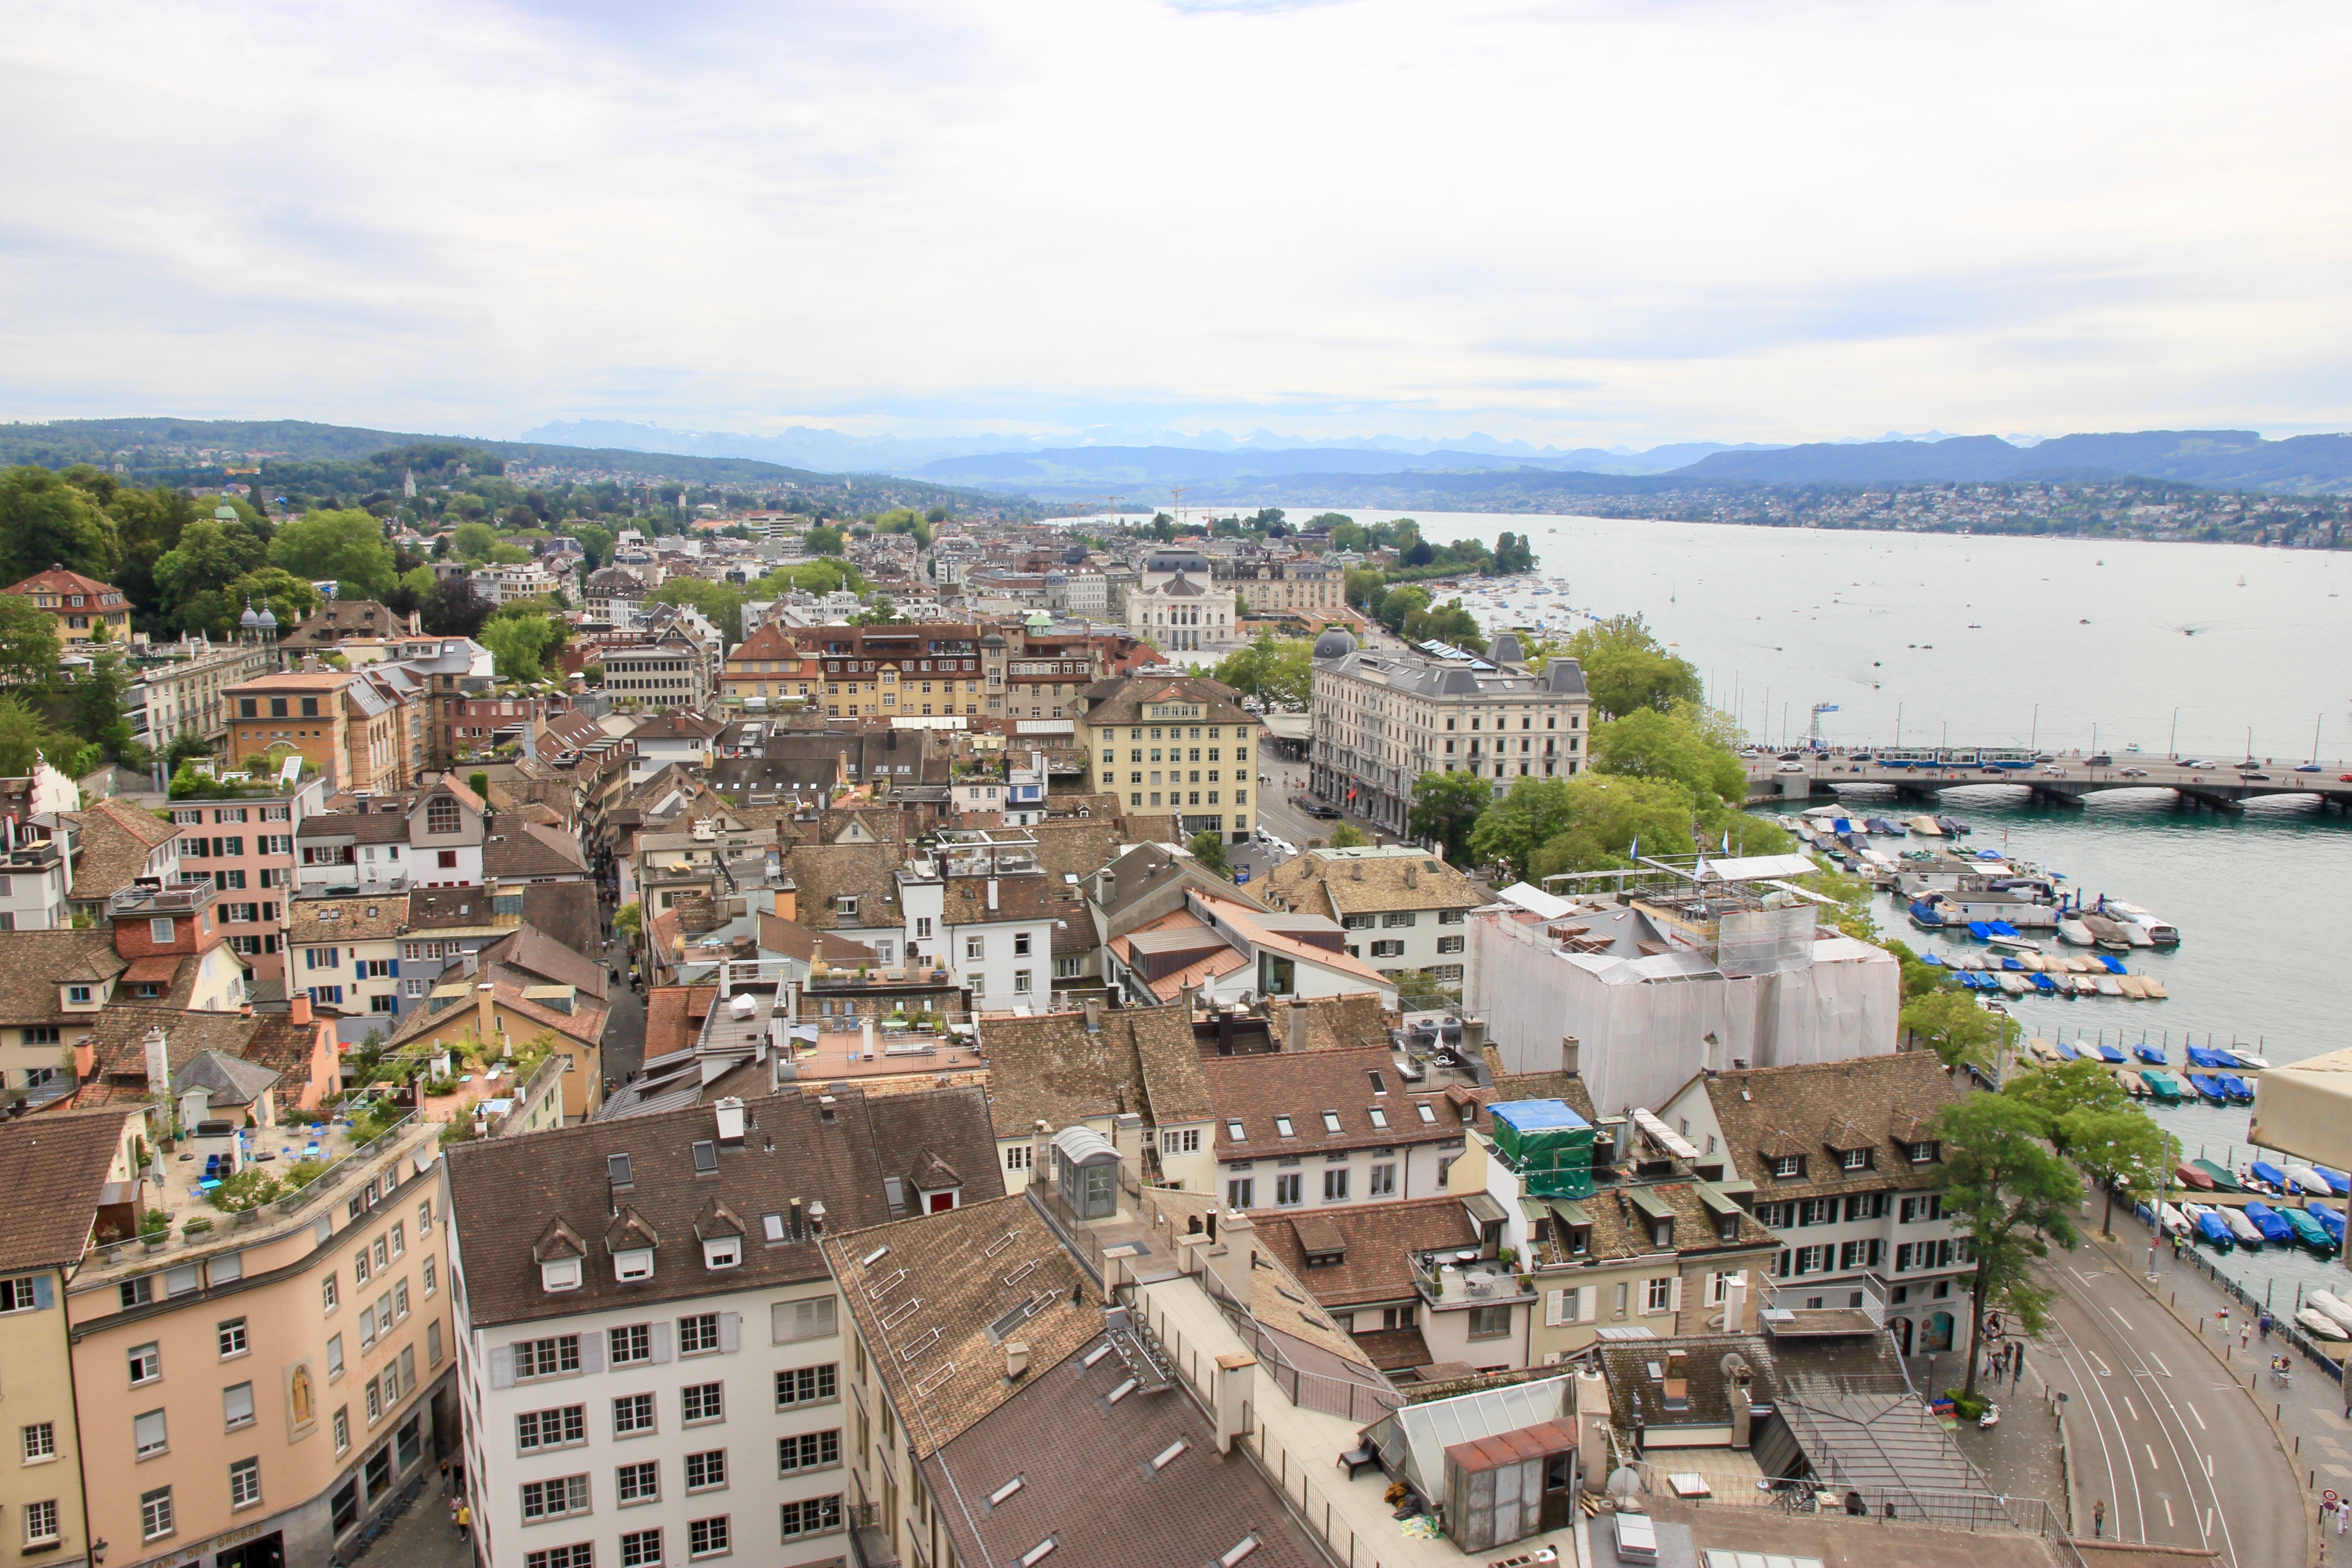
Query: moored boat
{"points": [[2223, 1181], [2109, 1054], [2235, 1089], [2171, 1220], [2162, 1087], [2246, 1058], [2132, 988], [2330, 1305], [2131, 1083], [2153, 1055], [1924, 826], [2153, 988], [2330, 1219], [2310, 1179], [2044, 983], [2106, 985], [2242, 1231], [2208, 1089], [2319, 1325], [2270, 1176], [2308, 1232], [2213, 1230], [2270, 1221], [2075, 933], [2190, 1176]]}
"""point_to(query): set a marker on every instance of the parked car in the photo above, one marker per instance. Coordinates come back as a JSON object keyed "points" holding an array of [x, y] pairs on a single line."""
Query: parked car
{"points": [[1323, 813]]}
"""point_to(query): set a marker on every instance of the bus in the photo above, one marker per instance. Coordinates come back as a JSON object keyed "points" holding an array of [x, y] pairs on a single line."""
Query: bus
{"points": [[1900, 757], [2009, 757]]}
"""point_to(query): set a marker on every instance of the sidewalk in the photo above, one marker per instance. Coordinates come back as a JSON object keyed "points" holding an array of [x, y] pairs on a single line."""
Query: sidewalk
{"points": [[421, 1538]]}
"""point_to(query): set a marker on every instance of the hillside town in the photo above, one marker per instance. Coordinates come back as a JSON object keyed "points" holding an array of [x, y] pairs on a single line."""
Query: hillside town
{"points": [[885, 1028]]}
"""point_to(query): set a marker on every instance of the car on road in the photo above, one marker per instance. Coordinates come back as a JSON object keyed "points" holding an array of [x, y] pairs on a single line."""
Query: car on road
{"points": [[2309, 768], [2254, 778], [2344, 778], [1792, 756], [1789, 767], [2101, 761], [2134, 773], [2201, 767]]}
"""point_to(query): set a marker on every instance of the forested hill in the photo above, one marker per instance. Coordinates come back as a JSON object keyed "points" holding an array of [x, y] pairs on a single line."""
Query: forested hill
{"points": [[184, 452], [2215, 459]]}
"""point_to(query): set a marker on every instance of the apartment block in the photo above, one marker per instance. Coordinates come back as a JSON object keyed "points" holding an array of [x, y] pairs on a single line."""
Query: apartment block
{"points": [[1178, 745], [243, 844], [1402, 908], [348, 725]]}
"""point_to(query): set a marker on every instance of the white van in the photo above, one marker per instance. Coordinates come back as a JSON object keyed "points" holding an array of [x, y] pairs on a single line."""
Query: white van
{"points": [[1637, 1537]]}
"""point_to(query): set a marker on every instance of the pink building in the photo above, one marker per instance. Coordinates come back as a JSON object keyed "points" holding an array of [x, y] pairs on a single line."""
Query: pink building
{"points": [[244, 848]]}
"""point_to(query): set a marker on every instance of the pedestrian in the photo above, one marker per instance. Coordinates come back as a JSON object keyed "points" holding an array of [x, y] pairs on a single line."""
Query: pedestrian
{"points": [[2099, 1518], [445, 1477], [465, 1522], [2245, 1335], [2267, 1323], [2017, 1368], [2342, 1517]]}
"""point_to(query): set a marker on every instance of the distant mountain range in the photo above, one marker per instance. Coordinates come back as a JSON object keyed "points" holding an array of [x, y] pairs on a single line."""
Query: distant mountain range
{"points": [[2217, 459]]}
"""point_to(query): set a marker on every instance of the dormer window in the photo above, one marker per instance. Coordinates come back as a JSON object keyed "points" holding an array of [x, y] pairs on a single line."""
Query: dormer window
{"points": [[1922, 1153], [722, 1252], [1579, 1240], [160, 931], [635, 1264], [1785, 1166], [78, 995], [1853, 1159], [559, 1274]]}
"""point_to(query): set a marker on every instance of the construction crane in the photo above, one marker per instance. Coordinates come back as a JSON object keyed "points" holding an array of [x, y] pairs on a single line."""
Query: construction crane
{"points": [[1176, 493], [1814, 742]]}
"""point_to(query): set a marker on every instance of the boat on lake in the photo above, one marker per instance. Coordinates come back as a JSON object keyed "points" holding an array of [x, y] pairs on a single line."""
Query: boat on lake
{"points": [[2131, 1082], [1980, 929], [2237, 1090], [2242, 1231], [2331, 1306], [2212, 1229], [2309, 1233], [2223, 1180], [2153, 988], [2273, 1226], [2162, 1087], [2152, 1054], [2107, 985], [2075, 933], [2208, 1088], [2248, 1059], [2109, 1054], [2319, 1325], [2048, 987], [2330, 1219], [2190, 1176], [2207, 1056]]}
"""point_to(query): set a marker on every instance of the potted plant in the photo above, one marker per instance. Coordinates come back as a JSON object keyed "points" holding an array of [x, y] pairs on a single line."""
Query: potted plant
{"points": [[155, 1229]]}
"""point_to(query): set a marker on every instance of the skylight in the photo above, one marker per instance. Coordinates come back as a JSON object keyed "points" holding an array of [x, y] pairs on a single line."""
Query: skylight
{"points": [[1331, 1121], [1380, 1084], [1380, 1116], [1428, 1112], [1236, 1132], [1282, 1128]]}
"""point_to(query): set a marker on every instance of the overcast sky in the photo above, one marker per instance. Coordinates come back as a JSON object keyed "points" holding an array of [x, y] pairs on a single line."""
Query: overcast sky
{"points": [[1568, 223]]}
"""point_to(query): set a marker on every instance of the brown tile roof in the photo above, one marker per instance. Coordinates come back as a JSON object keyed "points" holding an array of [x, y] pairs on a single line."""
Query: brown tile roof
{"points": [[1375, 1242], [1303, 1086], [1817, 1109], [674, 1015], [119, 1037], [52, 1167], [1337, 1022], [1121, 698], [1338, 882], [543, 960], [1395, 1350], [1029, 897], [948, 1274], [867, 872], [346, 920], [521, 848], [1619, 1231], [1087, 1478], [794, 940], [1079, 847], [1050, 1069], [116, 839]]}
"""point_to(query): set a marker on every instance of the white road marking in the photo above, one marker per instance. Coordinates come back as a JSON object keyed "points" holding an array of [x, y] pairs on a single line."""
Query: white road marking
{"points": [[2130, 1407], [2162, 1370], [2192, 1410], [2169, 1522], [2151, 1454], [2207, 1532], [2096, 1361]]}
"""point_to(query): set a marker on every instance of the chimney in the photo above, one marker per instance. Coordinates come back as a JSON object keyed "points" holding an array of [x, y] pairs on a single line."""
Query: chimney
{"points": [[1413, 876], [792, 1222], [159, 1061], [866, 1036], [816, 1218], [1016, 1360], [1234, 1256], [84, 1059], [297, 1007], [1184, 994], [1474, 1036], [1296, 1039], [730, 1120], [1236, 1375], [1127, 1137], [1735, 1303], [1041, 1150], [992, 894], [1094, 1014], [485, 1017], [1568, 1054], [1742, 1419]]}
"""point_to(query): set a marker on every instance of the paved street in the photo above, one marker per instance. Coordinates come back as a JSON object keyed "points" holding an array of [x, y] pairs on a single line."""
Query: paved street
{"points": [[2160, 1422], [625, 1027]]}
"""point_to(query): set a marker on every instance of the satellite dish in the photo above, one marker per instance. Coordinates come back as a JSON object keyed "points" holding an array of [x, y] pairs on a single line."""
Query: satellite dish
{"points": [[1624, 1481]]}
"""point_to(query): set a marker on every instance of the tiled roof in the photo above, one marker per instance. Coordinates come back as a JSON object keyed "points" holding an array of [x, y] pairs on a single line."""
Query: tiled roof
{"points": [[1338, 882], [346, 920], [116, 839], [1619, 1231], [1050, 1069], [57, 580], [41, 960], [505, 1192], [1242, 918], [674, 1015], [1816, 1110], [867, 872], [1303, 1086], [794, 939], [1032, 896], [540, 956], [1375, 1242], [52, 1168], [1077, 846], [948, 1271], [1121, 698], [526, 848]]}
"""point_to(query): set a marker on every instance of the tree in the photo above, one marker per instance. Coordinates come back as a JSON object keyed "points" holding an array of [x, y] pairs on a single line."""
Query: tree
{"points": [[1514, 553], [97, 709], [479, 782], [720, 603], [1348, 836], [1365, 588], [29, 643], [1625, 667], [1952, 1024], [25, 738], [1447, 622], [191, 575], [2012, 1195], [2121, 1150], [823, 540], [1270, 669], [452, 611], [1445, 807], [1209, 849], [595, 543], [1672, 744], [46, 521], [1399, 604], [473, 541], [505, 554], [346, 547], [519, 642]]}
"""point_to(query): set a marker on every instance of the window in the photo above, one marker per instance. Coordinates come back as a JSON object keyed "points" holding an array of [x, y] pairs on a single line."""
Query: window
{"points": [[1817, 1211], [1428, 1112], [639, 1483], [137, 1292], [237, 1407], [156, 1513], [1289, 1188], [1283, 1129], [1854, 1159], [558, 1429], [632, 1414], [146, 1364], [1388, 949], [974, 949], [697, 1333], [1815, 1259], [1489, 1322], [432, 1279], [630, 1345], [808, 1451], [808, 1386], [425, 1218], [367, 1326], [159, 930], [400, 1300], [703, 1401], [1335, 1184], [1449, 944], [810, 1319], [40, 1442], [640, 1549], [245, 1483], [1016, 1158], [441, 815], [1241, 1193], [1404, 918], [399, 1239], [329, 1296], [1922, 1153], [1658, 1294], [1331, 1121], [547, 1357], [553, 1500], [360, 1270], [40, 1522], [1382, 1181], [1021, 980], [334, 1357], [1355, 923], [1787, 1165], [707, 1537], [582, 1554], [149, 1434], [1236, 1133], [812, 1515]]}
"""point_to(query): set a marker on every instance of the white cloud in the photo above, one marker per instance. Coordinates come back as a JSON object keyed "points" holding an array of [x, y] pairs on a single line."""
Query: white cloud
{"points": [[1562, 222]]}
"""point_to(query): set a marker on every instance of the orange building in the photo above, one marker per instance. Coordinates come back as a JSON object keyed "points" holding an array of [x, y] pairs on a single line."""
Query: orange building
{"points": [[349, 725]]}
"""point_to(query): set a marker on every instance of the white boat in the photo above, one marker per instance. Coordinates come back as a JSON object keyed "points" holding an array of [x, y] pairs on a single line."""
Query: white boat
{"points": [[2248, 1058], [2016, 984], [2108, 986], [1924, 826], [2075, 933], [2329, 1302], [2171, 1220], [2309, 1180], [2319, 1325], [2244, 1229]]}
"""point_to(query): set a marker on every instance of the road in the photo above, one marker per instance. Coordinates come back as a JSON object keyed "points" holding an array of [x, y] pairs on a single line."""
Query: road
{"points": [[2069, 773], [2161, 1427]]}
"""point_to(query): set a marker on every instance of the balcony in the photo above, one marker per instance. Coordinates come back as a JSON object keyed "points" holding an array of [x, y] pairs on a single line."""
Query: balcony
{"points": [[156, 903], [1787, 1309], [1462, 1277]]}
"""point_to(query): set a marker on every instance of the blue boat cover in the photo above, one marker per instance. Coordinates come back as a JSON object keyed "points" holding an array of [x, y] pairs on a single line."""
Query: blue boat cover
{"points": [[1979, 930], [2044, 984], [2209, 1227], [2272, 1227], [2330, 1220], [2106, 1053], [1935, 958], [2015, 965], [2002, 928], [2115, 966], [2266, 1172], [2067, 1052], [2153, 1055]]}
